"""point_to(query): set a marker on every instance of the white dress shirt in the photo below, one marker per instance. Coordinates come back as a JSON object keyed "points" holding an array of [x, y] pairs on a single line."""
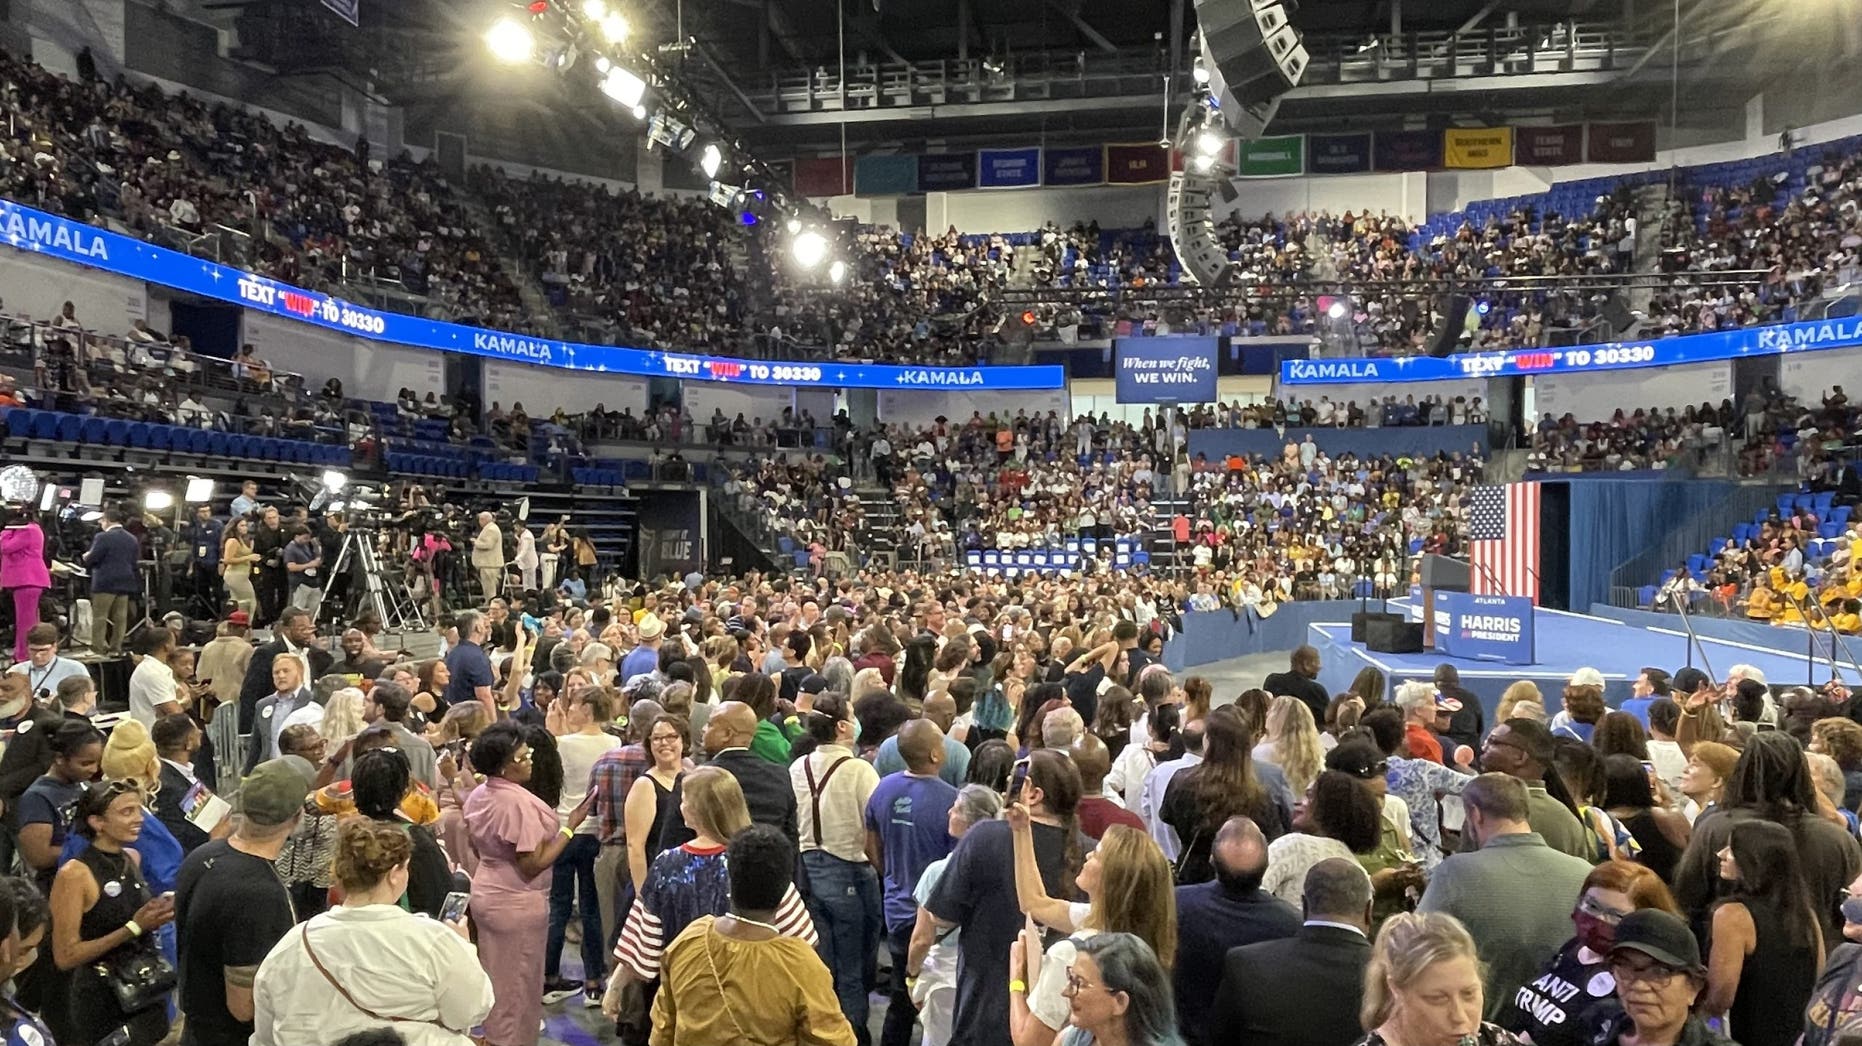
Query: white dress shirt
{"points": [[842, 801]]}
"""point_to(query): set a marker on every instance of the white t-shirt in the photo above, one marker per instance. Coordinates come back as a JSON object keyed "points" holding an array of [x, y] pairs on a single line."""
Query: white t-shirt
{"points": [[151, 685], [1046, 998], [579, 752]]}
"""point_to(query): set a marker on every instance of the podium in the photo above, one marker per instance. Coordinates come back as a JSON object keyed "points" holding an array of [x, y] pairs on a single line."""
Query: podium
{"points": [[1439, 574]]}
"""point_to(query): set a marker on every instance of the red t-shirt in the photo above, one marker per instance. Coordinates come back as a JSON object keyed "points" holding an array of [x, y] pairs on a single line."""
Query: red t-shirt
{"points": [[1097, 813], [1422, 743]]}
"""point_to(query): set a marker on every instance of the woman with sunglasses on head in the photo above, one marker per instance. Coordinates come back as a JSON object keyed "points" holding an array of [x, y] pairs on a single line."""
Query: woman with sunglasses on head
{"points": [[1573, 995], [1117, 994], [102, 915], [518, 838]]}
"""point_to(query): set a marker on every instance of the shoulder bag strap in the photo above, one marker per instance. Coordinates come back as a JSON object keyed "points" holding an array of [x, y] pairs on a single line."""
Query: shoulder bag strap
{"points": [[815, 790], [304, 935]]}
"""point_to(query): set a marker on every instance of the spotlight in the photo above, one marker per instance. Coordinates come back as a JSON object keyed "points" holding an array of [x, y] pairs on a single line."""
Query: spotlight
{"points": [[640, 112], [157, 501], [670, 131], [794, 225], [1200, 71], [724, 195], [710, 160], [602, 65], [510, 41], [1202, 164], [1028, 317], [810, 248], [1210, 141], [595, 9], [614, 28], [837, 271], [334, 481], [1336, 310], [199, 490], [1481, 307], [624, 87]]}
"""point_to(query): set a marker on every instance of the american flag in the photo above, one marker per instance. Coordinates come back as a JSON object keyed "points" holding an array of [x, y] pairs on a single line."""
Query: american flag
{"points": [[1503, 540]]}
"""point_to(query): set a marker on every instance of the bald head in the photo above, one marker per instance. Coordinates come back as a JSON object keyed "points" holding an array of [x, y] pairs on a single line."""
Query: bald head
{"points": [[921, 745], [941, 708], [732, 725], [1239, 855]]}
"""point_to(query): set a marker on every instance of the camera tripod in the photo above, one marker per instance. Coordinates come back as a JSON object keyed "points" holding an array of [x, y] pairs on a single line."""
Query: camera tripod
{"points": [[387, 595]]}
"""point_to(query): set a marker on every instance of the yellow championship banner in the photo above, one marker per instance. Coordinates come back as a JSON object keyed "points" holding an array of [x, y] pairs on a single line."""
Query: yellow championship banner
{"points": [[1477, 147]]}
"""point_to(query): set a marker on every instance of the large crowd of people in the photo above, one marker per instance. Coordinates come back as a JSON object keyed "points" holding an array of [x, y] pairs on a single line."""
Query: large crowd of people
{"points": [[752, 808], [676, 272]]}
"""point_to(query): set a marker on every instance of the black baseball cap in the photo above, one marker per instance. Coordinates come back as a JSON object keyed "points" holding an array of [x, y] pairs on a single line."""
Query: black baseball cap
{"points": [[1660, 936]]}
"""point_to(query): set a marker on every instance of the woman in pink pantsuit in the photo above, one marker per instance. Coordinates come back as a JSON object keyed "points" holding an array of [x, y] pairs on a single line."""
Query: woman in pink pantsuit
{"points": [[518, 839], [23, 572]]}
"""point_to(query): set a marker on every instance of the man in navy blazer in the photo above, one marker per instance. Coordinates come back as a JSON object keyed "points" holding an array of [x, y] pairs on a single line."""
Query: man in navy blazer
{"points": [[115, 582], [1303, 990], [1227, 912]]}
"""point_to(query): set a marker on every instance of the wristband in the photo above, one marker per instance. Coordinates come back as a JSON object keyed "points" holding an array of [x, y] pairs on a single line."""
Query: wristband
{"points": [[568, 833], [1017, 986], [134, 928]]}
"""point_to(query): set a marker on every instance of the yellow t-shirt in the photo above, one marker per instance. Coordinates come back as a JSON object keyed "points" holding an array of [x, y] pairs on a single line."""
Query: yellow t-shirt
{"points": [[716, 989]]}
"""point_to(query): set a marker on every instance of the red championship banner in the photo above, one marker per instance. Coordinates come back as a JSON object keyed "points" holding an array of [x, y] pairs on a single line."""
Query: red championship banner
{"points": [[1137, 164], [823, 175], [1548, 146]]}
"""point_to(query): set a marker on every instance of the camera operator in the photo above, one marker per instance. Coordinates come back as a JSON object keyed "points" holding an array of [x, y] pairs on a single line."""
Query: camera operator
{"points": [[204, 535], [43, 668], [303, 561]]}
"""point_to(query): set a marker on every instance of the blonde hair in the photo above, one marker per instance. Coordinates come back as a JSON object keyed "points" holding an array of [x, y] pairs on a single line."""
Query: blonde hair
{"points": [[1408, 944], [342, 717], [1296, 742], [1522, 691], [716, 801], [1136, 893], [129, 755]]}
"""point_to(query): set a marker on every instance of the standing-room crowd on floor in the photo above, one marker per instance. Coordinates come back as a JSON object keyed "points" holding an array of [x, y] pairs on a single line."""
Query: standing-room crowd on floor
{"points": [[748, 808]]}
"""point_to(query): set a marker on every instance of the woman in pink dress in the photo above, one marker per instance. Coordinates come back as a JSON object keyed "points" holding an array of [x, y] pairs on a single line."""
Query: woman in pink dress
{"points": [[518, 838], [24, 573]]}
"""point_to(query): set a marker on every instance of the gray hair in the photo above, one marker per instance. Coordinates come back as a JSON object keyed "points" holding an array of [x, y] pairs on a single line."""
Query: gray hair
{"points": [[1336, 887], [838, 671], [1414, 694], [1127, 964], [467, 621], [977, 803], [1061, 728]]}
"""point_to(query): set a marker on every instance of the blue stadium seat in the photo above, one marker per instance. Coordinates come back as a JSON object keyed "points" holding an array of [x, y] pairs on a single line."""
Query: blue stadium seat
{"points": [[219, 444], [45, 424], [116, 432], [1645, 596], [19, 422], [161, 437], [801, 559], [70, 428], [139, 435], [94, 430], [1840, 515]]}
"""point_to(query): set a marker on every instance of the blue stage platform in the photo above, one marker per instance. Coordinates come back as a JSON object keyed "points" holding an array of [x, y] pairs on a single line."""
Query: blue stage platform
{"points": [[1567, 642]]}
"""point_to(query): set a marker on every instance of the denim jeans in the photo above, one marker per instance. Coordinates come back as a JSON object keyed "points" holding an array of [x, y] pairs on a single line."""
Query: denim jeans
{"points": [[844, 903], [574, 873]]}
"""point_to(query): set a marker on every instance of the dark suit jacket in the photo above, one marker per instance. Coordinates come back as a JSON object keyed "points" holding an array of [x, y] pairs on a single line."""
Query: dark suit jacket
{"points": [[1295, 685], [1302, 990], [767, 793], [1210, 921], [168, 810], [258, 681], [112, 562]]}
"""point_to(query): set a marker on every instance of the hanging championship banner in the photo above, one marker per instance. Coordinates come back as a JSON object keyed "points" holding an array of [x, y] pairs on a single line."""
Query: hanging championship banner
{"points": [[1277, 157], [1548, 146], [1008, 168], [1477, 148], [1338, 153], [1084, 166]]}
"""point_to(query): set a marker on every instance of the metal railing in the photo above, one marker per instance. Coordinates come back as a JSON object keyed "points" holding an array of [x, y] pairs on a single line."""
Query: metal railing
{"points": [[1693, 534]]}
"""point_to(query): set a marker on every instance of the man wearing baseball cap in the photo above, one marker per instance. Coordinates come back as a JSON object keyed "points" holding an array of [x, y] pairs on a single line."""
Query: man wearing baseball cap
{"points": [[1656, 965], [231, 907]]}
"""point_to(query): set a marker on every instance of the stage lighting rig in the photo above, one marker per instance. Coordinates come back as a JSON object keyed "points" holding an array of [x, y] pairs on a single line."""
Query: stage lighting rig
{"points": [[810, 248], [670, 131], [710, 160]]}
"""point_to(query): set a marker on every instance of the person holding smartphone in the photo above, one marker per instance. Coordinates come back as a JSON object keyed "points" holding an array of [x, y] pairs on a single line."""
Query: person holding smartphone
{"points": [[349, 969]]}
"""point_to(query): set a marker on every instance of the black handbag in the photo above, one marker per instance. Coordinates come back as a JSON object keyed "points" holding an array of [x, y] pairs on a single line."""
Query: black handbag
{"points": [[138, 977]]}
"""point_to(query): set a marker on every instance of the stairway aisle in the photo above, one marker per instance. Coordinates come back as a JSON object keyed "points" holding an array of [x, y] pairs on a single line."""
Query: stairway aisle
{"points": [[529, 288]]}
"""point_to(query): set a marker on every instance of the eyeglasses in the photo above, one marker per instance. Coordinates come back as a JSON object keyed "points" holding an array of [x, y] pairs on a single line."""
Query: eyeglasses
{"points": [[665, 738], [1077, 984], [525, 757], [1374, 770], [1592, 908], [1652, 975], [1501, 742]]}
